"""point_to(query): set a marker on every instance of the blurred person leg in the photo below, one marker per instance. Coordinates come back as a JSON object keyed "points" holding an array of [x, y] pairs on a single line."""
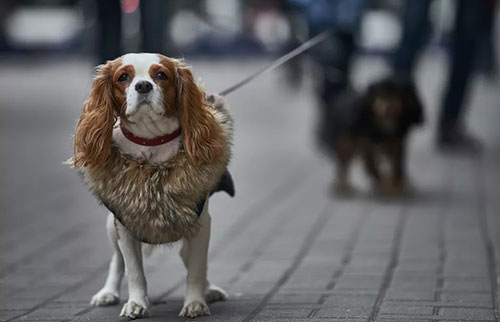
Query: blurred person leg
{"points": [[345, 151], [293, 69], [469, 23], [153, 25], [109, 14], [5, 9], [486, 59], [335, 54], [415, 30], [337, 65]]}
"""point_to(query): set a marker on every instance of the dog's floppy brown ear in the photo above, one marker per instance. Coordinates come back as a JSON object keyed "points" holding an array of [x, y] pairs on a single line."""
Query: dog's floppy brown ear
{"points": [[200, 130], [94, 129]]}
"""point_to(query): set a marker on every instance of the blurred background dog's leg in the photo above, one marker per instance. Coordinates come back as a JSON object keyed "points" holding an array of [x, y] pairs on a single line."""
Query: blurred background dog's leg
{"points": [[370, 163], [393, 185], [345, 151]]}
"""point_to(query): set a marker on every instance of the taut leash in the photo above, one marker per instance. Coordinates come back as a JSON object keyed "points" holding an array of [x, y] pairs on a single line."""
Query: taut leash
{"points": [[280, 61]]}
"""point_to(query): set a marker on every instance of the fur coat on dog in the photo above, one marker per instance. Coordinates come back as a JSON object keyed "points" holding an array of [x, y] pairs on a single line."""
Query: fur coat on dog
{"points": [[160, 203]]}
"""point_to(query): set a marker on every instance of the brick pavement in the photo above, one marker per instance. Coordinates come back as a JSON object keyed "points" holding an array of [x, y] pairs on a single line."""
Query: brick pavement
{"points": [[285, 248]]}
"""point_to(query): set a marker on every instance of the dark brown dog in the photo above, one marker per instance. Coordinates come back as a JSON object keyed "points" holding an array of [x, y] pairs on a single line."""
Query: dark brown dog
{"points": [[374, 125]]}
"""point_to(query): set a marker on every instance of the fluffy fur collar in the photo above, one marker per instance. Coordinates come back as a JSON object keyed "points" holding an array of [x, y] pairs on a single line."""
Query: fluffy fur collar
{"points": [[158, 203]]}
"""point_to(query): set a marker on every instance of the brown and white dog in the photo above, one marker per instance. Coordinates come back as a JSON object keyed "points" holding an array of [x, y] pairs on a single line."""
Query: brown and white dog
{"points": [[150, 107]]}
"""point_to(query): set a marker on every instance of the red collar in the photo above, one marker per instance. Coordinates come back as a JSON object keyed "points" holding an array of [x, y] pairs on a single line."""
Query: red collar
{"points": [[150, 142]]}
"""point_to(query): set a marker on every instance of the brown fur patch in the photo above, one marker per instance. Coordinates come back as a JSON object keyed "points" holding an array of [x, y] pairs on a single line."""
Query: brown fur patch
{"points": [[168, 86]]}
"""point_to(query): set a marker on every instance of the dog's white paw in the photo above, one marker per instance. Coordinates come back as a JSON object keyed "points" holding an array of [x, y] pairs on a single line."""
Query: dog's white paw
{"points": [[135, 310], [104, 298], [195, 308], [214, 293]]}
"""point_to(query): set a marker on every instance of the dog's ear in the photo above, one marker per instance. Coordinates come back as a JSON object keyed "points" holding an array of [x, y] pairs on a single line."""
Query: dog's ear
{"points": [[94, 129], [413, 112], [200, 130]]}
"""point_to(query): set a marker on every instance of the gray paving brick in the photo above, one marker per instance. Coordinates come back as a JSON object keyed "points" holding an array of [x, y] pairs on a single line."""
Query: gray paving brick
{"points": [[408, 285], [410, 295], [343, 312], [6, 314], [284, 313], [296, 299], [405, 318], [460, 313], [475, 285], [467, 298], [358, 282], [310, 320], [406, 309], [365, 301]]}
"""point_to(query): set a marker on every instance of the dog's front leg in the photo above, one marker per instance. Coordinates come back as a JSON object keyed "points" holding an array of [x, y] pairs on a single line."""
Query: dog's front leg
{"points": [[395, 151], [109, 294], [137, 305], [194, 254], [370, 162], [398, 161]]}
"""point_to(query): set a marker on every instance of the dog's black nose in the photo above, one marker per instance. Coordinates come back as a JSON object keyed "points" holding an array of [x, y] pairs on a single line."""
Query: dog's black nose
{"points": [[143, 87]]}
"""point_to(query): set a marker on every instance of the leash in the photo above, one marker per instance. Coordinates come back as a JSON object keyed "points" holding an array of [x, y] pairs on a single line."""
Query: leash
{"points": [[280, 61]]}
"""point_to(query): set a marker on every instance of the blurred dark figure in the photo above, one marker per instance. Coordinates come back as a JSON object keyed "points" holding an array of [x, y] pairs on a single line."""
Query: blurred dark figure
{"points": [[333, 55], [487, 63], [374, 125], [293, 69], [153, 26], [5, 8], [470, 23]]}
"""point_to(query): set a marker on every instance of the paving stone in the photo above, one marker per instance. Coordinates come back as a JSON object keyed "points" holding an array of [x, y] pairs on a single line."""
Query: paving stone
{"points": [[406, 309], [467, 298], [406, 319], [309, 320], [343, 312], [296, 299], [284, 313], [476, 285], [7, 314], [461, 313], [365, 301], [410, 295]]}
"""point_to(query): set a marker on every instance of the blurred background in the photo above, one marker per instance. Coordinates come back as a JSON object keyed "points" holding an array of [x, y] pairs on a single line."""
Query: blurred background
{"points": [[389, 36], [208, 27], [48, 51]]}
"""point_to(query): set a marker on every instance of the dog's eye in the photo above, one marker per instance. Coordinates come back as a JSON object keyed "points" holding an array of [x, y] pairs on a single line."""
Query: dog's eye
{"points": [[123, 77], [161, 75]]}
